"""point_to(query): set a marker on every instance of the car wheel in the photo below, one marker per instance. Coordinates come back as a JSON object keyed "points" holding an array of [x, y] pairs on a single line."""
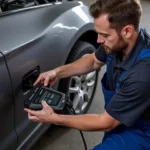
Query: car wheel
{"points": [[81, 88]]}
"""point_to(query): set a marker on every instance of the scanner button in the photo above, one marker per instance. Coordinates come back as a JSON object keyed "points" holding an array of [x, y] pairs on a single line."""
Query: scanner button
{"points": [[49, 101], [52, 96], [30, 98], [36, 89], [37, 99], [48, 95], [41, 92]]}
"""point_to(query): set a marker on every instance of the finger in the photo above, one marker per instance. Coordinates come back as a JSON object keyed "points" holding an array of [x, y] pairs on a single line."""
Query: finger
{"points": [[38, 80], [45, 105], [32, 117], [52, 82], [46, 80], [42, 82], [32, 112], [26, 109], [47, 108]]}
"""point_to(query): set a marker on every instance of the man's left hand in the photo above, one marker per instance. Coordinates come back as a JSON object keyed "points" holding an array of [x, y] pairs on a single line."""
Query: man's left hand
{"points": [[46, 115]]}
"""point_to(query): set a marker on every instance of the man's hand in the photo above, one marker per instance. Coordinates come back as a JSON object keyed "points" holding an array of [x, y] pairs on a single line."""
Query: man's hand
{"points": [[49, 77], [46, 115], [87, 122]]}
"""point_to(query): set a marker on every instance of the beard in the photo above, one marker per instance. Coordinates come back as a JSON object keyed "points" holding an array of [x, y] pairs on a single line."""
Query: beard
{"points": [[107, 49], [120, 46]]}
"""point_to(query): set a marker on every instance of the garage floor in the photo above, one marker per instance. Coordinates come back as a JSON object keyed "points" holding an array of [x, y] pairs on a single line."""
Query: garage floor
{"points": [[62, 138]]}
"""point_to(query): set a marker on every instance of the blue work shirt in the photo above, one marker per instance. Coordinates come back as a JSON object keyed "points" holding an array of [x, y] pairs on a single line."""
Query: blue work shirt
{"points": [[132, 101]]}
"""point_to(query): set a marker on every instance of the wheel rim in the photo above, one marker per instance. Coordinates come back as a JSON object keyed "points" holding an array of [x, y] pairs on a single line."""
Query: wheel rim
{"points": [[81, 89]]}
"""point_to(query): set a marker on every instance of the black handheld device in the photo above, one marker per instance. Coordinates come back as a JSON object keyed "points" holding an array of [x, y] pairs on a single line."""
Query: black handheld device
{"points": [[38, 93]]}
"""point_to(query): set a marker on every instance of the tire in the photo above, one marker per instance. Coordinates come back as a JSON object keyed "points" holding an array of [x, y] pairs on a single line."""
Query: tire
{"points": [[79, 50]]}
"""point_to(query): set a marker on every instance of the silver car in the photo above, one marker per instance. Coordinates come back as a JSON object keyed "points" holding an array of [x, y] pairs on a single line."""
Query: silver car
{"points": [[37, 36]]}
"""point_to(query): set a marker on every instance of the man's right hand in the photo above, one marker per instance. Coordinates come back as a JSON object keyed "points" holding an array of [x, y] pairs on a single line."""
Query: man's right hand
{"points": [[49, 77]]}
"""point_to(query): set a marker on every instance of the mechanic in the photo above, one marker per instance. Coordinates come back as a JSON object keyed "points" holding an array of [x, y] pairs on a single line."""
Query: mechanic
{"points": [[125, 49]]}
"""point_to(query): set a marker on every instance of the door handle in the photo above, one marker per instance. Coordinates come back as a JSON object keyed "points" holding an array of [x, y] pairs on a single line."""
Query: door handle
{"points": [[29, 78]]}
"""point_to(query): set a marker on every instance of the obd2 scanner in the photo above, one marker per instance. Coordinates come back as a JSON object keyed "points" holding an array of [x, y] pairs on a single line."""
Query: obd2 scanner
{"points": [[55, 99]]}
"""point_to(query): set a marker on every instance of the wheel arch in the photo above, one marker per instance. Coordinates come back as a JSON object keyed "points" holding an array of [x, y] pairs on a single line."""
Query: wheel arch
{"points": [[86, 34]]}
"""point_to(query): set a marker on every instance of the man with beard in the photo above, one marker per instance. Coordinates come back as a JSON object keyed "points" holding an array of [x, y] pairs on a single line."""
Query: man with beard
{"points": [[125, 49]]}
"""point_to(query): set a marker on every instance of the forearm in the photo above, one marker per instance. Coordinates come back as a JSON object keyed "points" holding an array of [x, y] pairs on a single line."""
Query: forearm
{"points": [[88, 122], [81, 66]]}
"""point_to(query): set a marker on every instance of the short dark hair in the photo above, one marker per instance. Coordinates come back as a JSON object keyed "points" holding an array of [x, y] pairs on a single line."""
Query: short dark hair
{"points": [[120, 12]]}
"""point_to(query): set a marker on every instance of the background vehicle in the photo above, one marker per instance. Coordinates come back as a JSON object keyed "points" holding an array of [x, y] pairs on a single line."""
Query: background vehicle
{"points": [[33, 40]]}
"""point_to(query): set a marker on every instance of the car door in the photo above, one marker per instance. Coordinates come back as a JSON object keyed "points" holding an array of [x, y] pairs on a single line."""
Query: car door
{"points": [[28, 52], [8, 138]]}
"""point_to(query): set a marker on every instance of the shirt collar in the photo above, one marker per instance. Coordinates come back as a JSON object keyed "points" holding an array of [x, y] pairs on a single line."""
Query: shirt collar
{"points": [[138, 46]]}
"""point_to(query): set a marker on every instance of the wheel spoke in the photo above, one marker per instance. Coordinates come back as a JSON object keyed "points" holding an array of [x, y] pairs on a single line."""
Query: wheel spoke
{"points": [[81, 102], [76, 79], [73, 89], [90, 75], [76, 101], [86, 96], [91, 84], [83, 77]]}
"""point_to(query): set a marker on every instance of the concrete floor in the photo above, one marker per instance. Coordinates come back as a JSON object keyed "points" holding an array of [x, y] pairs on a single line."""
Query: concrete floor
{"points": [[62, 138]]}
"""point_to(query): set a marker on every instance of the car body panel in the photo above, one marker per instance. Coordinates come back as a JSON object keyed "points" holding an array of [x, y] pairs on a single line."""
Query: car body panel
{"points": [[39, 36], [8, 138]]}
